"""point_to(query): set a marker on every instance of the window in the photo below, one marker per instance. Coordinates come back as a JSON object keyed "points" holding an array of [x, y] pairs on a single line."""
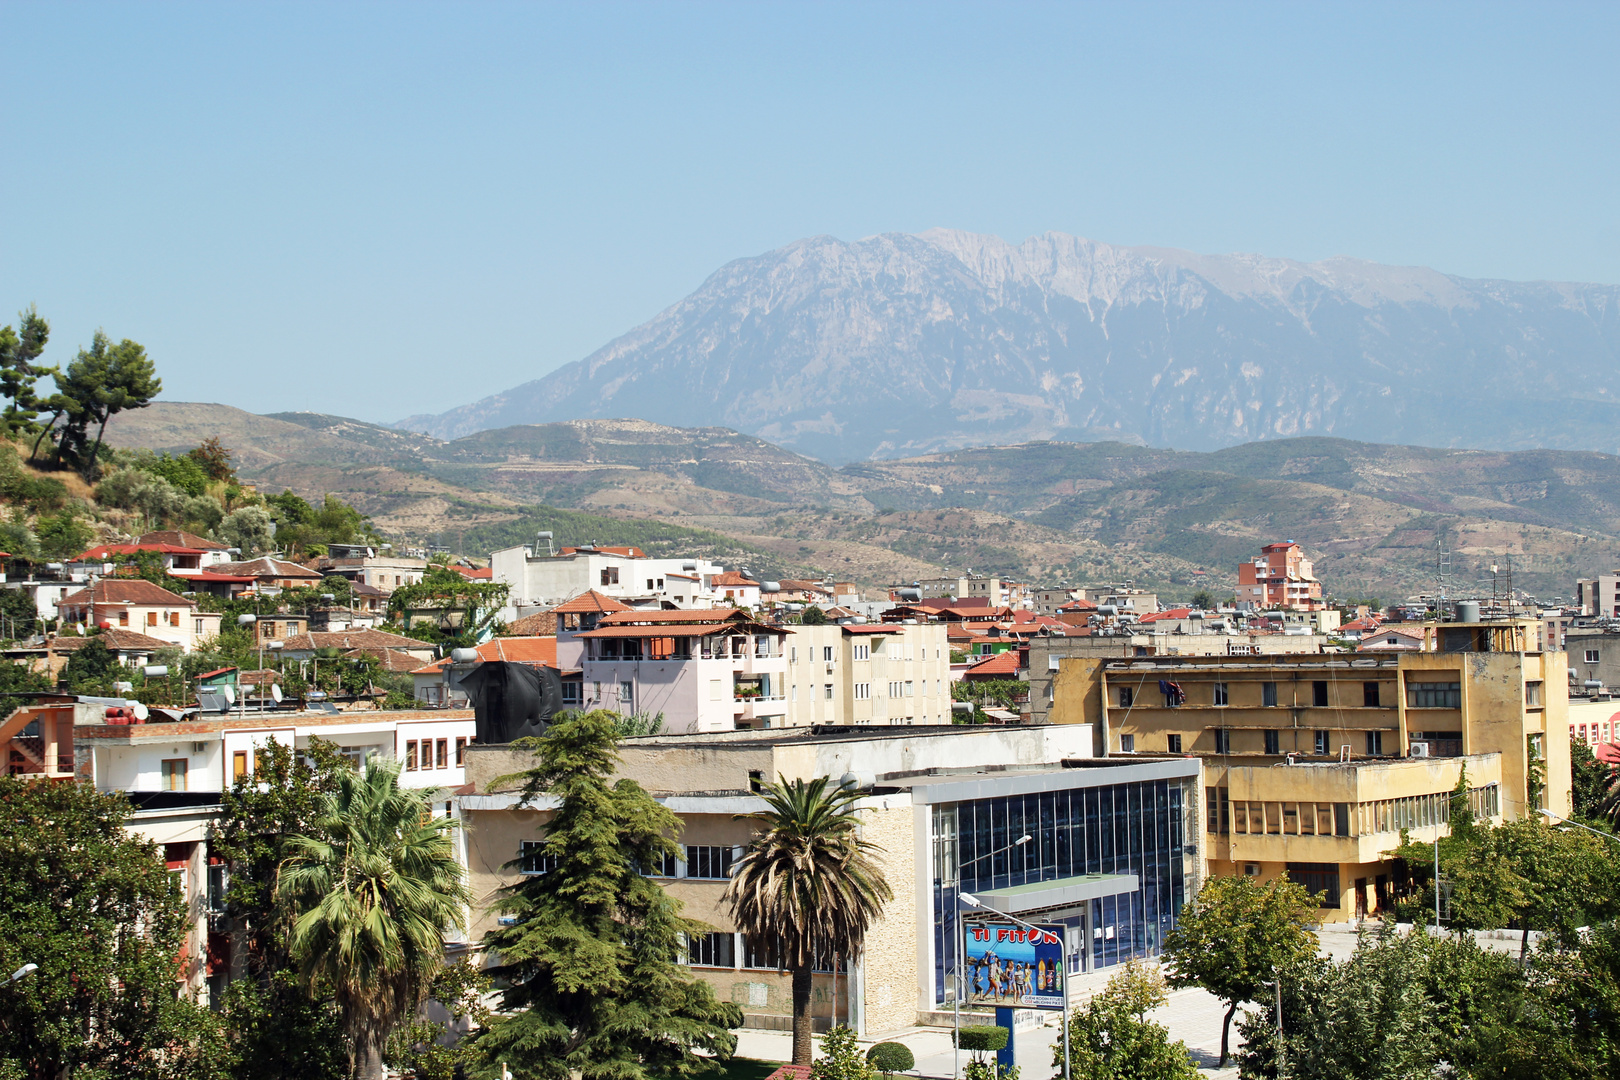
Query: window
{"points": [[531, 861], [461, 750], [174, 619], [828, 692], [1220, 693], [239, 768], [793, 692], [1173, 743], [1321, 742], [1127, 744], [572, 692], [1223, 741], [174, 774], [1591, 656], [1532, 694], [826, 653], [410, 756], [1319, 697], [863, 652], [627, 696], [197, 627], [441, 754], [708, 862], [1317, 878], [1375, 743], [863, 691], [710, 950], [1369, 695], [1268, 694], [793, 655], [1218, 816], [649, 584], [1341, 819], [1273, 742], [123, 618], [151, 618], [610, 575], [1434, 695], [1124, 697], [669, 865]]}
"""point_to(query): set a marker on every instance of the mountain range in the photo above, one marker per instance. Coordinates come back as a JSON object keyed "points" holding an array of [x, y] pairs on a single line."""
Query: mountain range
{"points": [[902, 345]]}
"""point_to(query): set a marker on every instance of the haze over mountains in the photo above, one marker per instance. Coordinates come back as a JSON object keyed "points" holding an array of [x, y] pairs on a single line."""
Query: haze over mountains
{"points": [[898, 345]]}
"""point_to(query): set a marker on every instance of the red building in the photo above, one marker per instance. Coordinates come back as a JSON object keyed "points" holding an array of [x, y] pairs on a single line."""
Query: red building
{"points": [[1279, 580]]}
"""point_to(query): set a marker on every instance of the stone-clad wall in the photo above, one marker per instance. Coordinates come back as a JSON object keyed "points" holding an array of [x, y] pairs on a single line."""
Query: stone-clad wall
{"points": [[890, 961]]}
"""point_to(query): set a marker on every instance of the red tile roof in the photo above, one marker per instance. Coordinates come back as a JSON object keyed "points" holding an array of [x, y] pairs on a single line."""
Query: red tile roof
{"points": [[352, 639], [105, 552], [682, 615], [391, 659], [1172, 613], [125, 591], [116, 639], [539, 651], [267, 567], [589, 602], [1001, 664], [181, 538], [732, 578]]}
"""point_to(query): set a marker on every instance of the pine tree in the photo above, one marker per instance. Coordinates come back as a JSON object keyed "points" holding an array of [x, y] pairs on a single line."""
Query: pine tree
{"points": [[593, 985]]}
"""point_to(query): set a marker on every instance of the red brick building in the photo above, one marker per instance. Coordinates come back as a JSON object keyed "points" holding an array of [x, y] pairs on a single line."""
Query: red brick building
{"points": [[1281, 579]]}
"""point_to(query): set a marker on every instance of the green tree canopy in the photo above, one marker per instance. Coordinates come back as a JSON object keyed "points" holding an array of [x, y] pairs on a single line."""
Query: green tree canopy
{"points": [[1235, 935], [457, 610], [592, 986], [370, 890], [94, 907], [101, 382], [19, 348], [808, 882], [1111, 1038]]}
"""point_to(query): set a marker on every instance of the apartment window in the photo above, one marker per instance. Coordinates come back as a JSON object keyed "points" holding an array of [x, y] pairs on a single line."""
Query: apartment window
{"points": [[610, 575], [863, 652], [1273, 742], [239, 765], [1173, 743], [863, 691], [197, 627], [572, 692], [1319, 697], [461, 750], [1317, 878], [1220, 693], [828, 695], [793, 692], [1127, 744], [1124, 697], [123, 618], [1268, 694], [1591, 656], [1375, 743], [441, 754], [649, 584], [1532, 694], [1434, 695], [894, 689], [710, 950], [532, 861], [1218, 815], [1223, 741], [410, 755], [151, 618], [1369, 695], [793, 655], [174, 774], [669, 865], [708, 862], [627, 696], [908, 688], [1321, 742], [826, 653], [1341, 819]]}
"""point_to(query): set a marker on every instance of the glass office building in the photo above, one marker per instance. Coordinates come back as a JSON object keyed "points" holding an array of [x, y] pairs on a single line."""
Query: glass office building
{"points": [[1112, 856]]}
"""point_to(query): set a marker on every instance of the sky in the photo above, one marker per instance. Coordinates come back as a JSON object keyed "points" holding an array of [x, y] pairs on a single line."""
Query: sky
{"points": [[381, 210]]}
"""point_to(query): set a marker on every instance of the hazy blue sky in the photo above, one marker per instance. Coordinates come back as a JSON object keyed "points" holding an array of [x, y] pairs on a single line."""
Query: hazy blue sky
{"points": [[378, 210]]}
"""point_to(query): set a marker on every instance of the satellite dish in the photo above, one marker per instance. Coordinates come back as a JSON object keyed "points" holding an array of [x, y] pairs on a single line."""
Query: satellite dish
{"points": [[275, 693], [141, 712], [230, 694]]}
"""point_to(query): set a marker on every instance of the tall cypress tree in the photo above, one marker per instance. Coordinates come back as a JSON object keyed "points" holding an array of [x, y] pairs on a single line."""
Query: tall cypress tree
{"points": [[590, 961]]}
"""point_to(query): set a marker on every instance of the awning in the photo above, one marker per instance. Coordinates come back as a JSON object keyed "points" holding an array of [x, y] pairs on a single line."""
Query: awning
{"points": [[1059, 892]]}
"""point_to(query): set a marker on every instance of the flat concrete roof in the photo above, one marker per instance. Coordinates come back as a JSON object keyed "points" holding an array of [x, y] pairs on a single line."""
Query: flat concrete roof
{"points": [[1060, 892]]}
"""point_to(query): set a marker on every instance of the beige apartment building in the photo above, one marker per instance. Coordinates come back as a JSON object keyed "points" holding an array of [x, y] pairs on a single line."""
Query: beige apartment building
{"points": [[1116, 857], [881, 673], [1315, 763]]}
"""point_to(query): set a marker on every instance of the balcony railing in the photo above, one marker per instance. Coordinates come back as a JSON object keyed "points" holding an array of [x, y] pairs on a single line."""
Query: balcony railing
{"points": [[750, 698]]}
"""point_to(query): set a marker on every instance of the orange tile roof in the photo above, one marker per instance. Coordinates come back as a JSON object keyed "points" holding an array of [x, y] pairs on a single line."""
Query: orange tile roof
{"points": [[1003, 663], [1172, 613], [125, 591], [732, 578], [540, 651], [589, 602], [181, 538], [623, 552]]}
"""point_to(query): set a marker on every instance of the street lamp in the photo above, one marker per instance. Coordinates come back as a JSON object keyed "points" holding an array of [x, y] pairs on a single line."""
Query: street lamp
{"points": [[956, 924], [1063, 964], [1565, 821], [22, 973]]}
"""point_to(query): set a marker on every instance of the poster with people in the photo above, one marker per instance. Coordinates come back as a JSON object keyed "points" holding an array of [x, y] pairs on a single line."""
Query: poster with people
{"points": [[1007, 964]]}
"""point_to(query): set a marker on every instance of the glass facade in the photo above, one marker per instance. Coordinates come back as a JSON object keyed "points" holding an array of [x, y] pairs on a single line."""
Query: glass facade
{"points": [[1128, 828]]}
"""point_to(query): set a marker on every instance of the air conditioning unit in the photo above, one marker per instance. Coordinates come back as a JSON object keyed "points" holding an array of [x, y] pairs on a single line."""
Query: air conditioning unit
{"points": [[199, 747], [1418, 749], [1251, 869], [829, 669]]}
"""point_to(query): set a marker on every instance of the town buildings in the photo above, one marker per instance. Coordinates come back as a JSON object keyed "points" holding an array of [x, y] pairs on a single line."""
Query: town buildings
{"points": [[1124, 598], [364, 565], [137, 604], [1599, 595], [883, 673], [1281, 578], [1314, 764], [1116, 855], [624, 573]]}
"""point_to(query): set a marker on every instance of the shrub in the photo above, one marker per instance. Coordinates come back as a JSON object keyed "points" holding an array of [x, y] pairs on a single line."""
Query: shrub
{"points": [[841, 1058], [981, 1038], [892, 1057]]}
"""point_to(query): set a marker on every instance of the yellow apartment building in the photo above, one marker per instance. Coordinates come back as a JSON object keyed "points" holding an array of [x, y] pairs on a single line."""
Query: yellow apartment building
{"points": [[1313, 764]]}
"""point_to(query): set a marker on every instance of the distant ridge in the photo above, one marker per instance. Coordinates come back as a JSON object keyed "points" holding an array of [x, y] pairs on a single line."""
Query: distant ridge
{"points": [[897, 345]]}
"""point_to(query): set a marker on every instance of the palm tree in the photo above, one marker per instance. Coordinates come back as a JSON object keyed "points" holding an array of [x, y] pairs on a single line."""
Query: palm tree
{"points": [[370, 895], [809, 883]]}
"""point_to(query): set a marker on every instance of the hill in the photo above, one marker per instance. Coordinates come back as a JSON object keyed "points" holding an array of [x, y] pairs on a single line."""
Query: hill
{"points": [[1372, 515], [899, 345]]}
